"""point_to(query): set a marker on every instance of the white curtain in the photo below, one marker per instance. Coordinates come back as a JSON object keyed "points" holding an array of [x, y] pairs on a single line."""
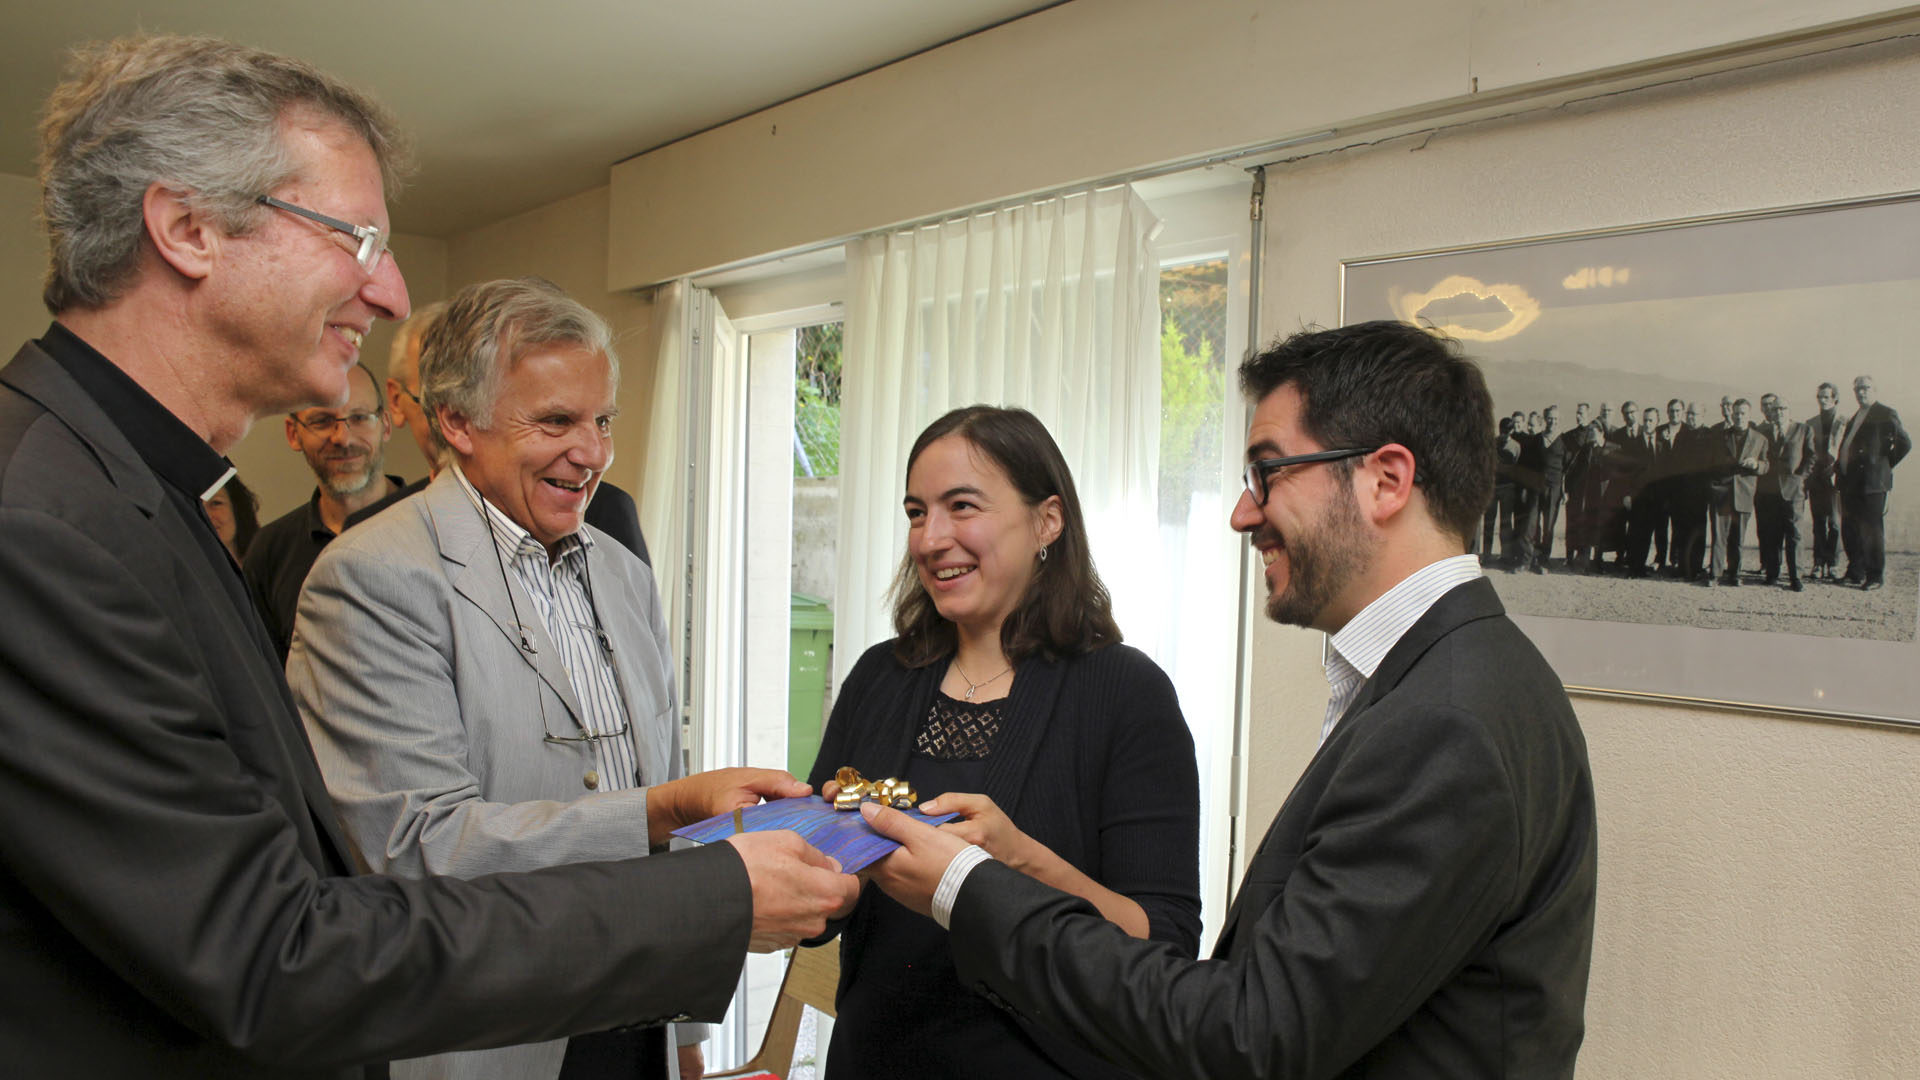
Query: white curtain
{"points": [[693, 510], [1052, 306], [664, 481]]}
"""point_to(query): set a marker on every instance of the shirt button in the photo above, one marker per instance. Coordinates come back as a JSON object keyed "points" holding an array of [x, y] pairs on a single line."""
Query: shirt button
{"points": [[592, 779]]}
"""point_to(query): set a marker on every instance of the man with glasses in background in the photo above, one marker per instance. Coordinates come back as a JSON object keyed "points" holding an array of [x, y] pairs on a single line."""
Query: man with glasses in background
{"points": [[345, 448], [485, 677]]}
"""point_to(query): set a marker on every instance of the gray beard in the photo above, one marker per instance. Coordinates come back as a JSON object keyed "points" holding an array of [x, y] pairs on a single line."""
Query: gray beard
{"points": [[342, 487]]}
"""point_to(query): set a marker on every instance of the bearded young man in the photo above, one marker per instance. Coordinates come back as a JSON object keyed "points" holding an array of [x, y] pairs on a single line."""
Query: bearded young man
{"points": [[1422, 905]]}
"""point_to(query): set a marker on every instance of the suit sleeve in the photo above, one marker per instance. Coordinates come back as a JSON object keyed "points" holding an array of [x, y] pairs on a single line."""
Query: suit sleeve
{"points": [[159, 851], [1410, 856], [1898, 442], [372, 670], [614, 512]]}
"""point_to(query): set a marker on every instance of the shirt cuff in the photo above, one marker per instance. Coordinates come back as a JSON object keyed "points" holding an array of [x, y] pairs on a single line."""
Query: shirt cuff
{"points": [[943, 897]]}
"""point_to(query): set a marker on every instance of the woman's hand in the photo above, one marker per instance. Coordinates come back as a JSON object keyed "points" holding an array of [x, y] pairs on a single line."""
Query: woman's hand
{"points": [[984, 823]]}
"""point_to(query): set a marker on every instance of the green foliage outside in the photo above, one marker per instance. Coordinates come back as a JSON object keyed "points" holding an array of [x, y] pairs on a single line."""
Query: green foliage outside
{"points": [[1192, 381], [816, 399]]}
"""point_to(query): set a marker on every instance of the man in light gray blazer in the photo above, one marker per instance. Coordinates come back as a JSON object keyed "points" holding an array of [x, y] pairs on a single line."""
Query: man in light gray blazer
{"points": [[485, 678]]}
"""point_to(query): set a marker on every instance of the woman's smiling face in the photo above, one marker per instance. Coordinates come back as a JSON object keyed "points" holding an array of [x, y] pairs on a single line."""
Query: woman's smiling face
{"points": [[972, 538]]}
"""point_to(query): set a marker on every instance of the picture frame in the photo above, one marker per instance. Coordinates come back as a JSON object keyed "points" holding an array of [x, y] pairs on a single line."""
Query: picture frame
{"points": [[1773, 301]]}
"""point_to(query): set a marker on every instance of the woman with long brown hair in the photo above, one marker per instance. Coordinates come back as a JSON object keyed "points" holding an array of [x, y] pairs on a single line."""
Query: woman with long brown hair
{"points": [[1007, 696]]}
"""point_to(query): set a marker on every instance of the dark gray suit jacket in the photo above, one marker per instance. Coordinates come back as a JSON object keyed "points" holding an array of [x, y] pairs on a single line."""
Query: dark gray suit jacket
{"points": [[1866, 466], [176, 899], [1422, 905]]}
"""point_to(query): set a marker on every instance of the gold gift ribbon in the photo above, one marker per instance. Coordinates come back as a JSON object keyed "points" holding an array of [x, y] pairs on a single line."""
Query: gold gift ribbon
{"points": [[856, 789]]}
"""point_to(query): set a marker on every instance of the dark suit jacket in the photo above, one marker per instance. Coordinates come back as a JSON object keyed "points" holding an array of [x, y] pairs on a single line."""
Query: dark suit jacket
{"points": [[1790, 456], [175, 896], [1422, 906], [1867, 462], [1734, 463], [1530, 461], [612, 511], [1669, 459], [1823, 435], [1557, 461]]}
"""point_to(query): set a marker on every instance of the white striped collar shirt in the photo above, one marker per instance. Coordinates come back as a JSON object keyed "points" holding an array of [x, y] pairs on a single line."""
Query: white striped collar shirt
{"points": [[563, 600], [1355, 651]]}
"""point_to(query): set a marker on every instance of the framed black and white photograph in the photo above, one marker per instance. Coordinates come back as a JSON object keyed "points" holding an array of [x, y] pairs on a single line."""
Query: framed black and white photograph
{"points": [[1701, 493]]}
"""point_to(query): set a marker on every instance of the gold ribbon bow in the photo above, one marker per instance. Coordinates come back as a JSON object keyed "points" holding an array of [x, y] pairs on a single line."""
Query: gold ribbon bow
{"points": [[856, 789]]}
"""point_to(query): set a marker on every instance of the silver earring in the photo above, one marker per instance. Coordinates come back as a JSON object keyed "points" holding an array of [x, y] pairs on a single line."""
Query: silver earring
{"points": [[1043, 554]]}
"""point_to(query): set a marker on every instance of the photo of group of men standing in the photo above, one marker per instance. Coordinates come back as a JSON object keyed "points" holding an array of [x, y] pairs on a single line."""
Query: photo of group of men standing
{"points": [[1669, 492]]}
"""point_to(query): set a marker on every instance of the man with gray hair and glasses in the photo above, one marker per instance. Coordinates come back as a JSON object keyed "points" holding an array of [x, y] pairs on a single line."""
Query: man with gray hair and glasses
{"points": [[434, 638], [176, 896], [612, 510]]}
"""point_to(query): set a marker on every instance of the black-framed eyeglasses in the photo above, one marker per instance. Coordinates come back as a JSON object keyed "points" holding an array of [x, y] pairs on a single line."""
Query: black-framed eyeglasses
{"points": [[1260, 472], [360, 423], [373, 242]]}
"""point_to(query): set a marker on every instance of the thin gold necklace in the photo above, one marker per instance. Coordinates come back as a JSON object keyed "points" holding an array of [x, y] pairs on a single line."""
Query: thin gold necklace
{"points": [[971, 685]]}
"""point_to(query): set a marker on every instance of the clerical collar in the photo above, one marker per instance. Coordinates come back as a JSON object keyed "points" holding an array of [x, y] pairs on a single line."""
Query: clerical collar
{"points": [[169, 447]]}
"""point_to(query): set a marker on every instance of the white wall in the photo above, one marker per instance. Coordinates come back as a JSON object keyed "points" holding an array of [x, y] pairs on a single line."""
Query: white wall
{"points": [[1758, 874], [1092, 89]]}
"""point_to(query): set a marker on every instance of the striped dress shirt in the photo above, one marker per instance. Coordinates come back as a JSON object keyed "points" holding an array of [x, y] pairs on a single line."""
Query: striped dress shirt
{"points": [[1354, 652], [561, 597]]}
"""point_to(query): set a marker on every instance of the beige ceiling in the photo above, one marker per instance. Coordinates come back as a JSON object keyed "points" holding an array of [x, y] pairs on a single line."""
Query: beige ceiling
{"points": [[512, 105]]}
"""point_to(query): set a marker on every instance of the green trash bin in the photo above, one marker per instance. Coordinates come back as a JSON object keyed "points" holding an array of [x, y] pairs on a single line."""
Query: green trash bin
{"points": [[809, 667]]}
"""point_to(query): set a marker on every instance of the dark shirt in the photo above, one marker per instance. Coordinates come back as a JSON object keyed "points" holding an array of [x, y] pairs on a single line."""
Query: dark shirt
{"points": [[612, 511], [1088, 755], [278, 560], [1530, 460]]}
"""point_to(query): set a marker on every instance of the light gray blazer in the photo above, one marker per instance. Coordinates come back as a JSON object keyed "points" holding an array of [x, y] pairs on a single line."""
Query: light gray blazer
{"points": [[425, 714]]}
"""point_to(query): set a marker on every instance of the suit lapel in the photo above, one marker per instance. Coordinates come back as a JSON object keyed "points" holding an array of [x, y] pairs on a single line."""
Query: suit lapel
{"points": [[1460, 605], [466, 541], [270, 738], [626, 632]]}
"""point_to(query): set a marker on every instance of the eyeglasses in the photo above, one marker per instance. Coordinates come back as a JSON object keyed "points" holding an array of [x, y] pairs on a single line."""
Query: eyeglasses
{"points": [[373, 242], [359, 423], [1259, 473]]}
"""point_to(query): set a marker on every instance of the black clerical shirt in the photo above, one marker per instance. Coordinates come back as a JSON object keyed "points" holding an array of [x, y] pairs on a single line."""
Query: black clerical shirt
{"points": [[189, 468]]}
